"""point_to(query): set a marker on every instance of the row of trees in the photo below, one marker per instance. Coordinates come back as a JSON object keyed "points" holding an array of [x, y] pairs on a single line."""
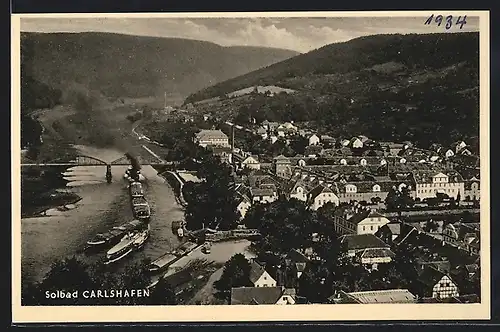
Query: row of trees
{"points": [[74, 275], [211, 203]]}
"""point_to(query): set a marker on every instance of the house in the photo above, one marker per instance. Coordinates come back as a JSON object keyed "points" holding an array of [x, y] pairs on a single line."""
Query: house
{"points": [[356, 143], [282, 167], [462, 235], [223, 152], [212, 137], [363, 138], [290, 127], [471, 189], [263, 295], [428, 184], [436, 284], [359, 243], [244, 204], [368, 221], [260, 277], [322, 195], [374, 297], [263, 194], [251, 162], [273, 139], [298, 260], [313, 139], [457, 146], [372, 257], [271, 126], [389, 232], [281, 131], [449, 153], [345, 142], [327, 140]]}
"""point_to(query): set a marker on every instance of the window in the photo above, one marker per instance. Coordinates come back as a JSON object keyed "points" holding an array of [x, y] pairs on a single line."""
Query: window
{"points": [[371, 227], [363, 228]]}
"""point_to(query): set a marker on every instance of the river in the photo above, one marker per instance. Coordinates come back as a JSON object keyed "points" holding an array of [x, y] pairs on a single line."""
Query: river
{"points": [[64, 233]]}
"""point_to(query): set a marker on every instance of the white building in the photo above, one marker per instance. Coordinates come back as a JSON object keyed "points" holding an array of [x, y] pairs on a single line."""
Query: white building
{"points": [[250, 162], [429, 184], [260, 277], [313, 140], [322, 195], [370, 224], [212, 138]]}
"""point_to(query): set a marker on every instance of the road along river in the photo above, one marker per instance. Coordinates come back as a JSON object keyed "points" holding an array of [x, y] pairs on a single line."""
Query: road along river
{"points": [[63, 234]]}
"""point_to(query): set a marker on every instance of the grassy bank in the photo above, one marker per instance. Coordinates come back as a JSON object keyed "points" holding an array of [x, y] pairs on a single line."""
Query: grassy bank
{"points": [[40, 190]]}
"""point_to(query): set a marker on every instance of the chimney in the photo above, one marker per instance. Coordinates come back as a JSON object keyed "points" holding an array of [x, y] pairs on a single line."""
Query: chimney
{"points": [[232, 138]]}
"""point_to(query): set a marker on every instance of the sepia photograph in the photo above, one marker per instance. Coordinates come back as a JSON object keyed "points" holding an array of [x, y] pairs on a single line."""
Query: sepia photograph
{"points": [[291, 162]]}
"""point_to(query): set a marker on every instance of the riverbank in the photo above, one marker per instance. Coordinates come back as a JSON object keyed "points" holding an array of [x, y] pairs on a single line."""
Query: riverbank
{"points": [[44, 189], [174, 183]]}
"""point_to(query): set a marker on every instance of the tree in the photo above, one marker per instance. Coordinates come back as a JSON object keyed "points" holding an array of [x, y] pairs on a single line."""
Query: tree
{"points": [[215, 203], [236, 273], [162, 294], [299, 144], [284, 224]]}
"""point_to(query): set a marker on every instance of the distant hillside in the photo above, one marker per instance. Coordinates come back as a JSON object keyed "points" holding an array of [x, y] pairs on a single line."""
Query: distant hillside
{"points": [[134, 66], [420, 87]]}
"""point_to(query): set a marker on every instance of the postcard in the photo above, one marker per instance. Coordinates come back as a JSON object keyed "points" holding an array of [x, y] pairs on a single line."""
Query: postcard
{"points": [[274, 166]]}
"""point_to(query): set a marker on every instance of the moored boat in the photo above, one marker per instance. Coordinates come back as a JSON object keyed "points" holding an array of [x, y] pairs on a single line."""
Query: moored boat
{"points": [[162, 262], [135, 189], [112, 236], [141, 238], [122, 249]]}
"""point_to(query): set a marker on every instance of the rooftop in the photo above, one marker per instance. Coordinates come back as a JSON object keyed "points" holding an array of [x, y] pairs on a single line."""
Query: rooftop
{"points": [[256, 295], [363, 241], [383, 296]]}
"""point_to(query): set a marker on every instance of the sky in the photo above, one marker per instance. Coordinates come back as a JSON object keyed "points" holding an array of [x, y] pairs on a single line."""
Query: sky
{"points": [[300, 34]]}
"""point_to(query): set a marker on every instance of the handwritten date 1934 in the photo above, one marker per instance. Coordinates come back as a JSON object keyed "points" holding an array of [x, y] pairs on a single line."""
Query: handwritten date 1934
{"points": [[448, 21]]}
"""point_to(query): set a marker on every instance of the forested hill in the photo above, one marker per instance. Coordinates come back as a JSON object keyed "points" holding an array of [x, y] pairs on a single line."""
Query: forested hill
{"points": [[416, 86], [135, 66]]}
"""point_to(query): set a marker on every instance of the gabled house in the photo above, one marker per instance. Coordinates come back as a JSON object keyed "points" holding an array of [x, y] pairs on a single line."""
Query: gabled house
{"points": [[356, 143], [260, 277], [436, 284], [263, 295], [322, 195], [244, 204], [368, 221], [313, 139], [449, 153], [251, 162]]}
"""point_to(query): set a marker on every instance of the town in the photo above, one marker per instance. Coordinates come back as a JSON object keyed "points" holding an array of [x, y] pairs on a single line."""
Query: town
{"points": [[341, 219]]}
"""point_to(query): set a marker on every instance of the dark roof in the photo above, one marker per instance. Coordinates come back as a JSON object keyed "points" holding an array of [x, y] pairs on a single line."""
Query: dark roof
{"points": [[297, 257], [430, 276], [255, 295], [256, 271], [376, 252], [313, 150], [358, 217], [319, 190], [363, 241]]}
